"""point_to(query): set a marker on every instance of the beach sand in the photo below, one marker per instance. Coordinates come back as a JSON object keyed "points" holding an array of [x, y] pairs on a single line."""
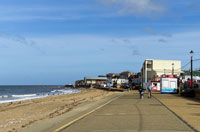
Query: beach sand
{"points": [[18, 115]]}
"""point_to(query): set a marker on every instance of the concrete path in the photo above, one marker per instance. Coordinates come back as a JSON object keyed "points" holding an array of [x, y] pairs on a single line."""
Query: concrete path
{"points": [[128, 113]]}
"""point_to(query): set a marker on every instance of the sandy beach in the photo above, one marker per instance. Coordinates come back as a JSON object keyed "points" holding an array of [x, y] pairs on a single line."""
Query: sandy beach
{"points": [[18, 115]]}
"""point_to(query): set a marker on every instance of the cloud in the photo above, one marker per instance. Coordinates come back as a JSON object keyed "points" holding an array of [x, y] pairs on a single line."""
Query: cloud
{"points": [[135, 53], [150, 30], [102, 49], [19, 39], [83, 54], [162, 40], [121, 41], [167, 35], [136, 7], [21, 13], [127, 44], [156, 33], [50, 13], [194, 5], [42, 12], [127, 41], [164, 36]]}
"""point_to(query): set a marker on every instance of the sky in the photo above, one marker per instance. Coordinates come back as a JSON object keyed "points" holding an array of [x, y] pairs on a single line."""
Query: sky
{"points": [[51, 42]]}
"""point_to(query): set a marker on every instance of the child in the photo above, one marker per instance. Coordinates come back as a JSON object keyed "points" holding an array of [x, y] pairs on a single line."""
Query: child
{"points": [[141, 91]]}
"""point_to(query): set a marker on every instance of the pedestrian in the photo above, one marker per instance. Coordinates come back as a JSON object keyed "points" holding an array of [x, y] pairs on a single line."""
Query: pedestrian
{"points": [[149, 88], [141, 92], [128, 88]]}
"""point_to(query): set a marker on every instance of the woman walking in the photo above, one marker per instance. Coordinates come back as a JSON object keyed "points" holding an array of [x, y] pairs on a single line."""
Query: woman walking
{"points": [[149, 88]]}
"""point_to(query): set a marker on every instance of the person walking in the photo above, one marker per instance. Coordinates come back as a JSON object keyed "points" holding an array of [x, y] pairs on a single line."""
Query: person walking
{"points": [[141, 92], [149, 88]]}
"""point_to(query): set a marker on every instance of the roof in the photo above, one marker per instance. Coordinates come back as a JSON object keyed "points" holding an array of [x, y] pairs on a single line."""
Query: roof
{"points": [[160, 60], [96, 78], [194, 73]]}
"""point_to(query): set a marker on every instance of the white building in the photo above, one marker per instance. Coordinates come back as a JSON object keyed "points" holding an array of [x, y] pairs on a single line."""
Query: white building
{"points": [[153, 69], [95, 80]]}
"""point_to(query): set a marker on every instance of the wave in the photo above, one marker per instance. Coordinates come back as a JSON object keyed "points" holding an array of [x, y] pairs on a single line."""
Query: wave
{"points": [[4, 96], [53, 91], [67, 91], [25, 95], [21, 99], [14, 98]]}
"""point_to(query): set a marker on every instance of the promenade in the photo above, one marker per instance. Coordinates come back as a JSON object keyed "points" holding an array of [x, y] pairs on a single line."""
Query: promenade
{"points": [[120, 113], [128, 113]]}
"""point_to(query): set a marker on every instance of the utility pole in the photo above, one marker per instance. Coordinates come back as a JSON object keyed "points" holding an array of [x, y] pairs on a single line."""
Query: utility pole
{"points": [[191, 53]]}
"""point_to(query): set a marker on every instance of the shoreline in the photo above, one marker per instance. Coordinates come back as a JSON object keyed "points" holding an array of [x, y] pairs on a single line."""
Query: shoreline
{"points": [[24, 97], [18, 115]]}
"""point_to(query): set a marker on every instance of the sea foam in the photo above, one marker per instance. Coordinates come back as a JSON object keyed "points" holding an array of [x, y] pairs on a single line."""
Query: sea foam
{"points": [[21, 97]]}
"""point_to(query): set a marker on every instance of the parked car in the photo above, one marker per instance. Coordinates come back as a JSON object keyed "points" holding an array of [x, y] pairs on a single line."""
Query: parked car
{"points": [[126, 86], [109, 84], [103, 85]]}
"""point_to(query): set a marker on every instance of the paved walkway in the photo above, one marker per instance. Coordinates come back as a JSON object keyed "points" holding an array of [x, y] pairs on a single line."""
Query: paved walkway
{"points": [[128, 113]]}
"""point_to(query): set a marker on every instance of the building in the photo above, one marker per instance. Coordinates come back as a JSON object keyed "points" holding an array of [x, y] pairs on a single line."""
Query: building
{"points": [[95, 81], [135, 80], [79, 83], [119, 79], [153, 69], [112, 77], [126, 75], [195, 77]]}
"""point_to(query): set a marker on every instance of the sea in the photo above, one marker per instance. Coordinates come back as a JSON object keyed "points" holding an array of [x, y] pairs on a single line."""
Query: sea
{"points": [[25, 92]]}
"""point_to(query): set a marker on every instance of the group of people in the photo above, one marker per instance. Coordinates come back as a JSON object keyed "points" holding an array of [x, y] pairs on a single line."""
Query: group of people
{"points": [[141, 91], [189, 83]]}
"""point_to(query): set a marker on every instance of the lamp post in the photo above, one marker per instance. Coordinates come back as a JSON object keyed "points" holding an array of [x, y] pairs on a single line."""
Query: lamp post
{"points": [[191, 53], [172, 68]]}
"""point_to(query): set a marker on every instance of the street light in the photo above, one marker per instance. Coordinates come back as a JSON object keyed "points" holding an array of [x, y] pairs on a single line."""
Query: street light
{"points": [[172, 68], [191, 53]]}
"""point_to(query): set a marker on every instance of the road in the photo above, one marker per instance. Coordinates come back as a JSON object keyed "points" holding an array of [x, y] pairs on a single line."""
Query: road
{"points": [[127, 113]]}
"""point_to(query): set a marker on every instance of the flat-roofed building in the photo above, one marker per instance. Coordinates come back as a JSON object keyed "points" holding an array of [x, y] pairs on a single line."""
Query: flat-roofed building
{"points": [[153, 69], [95, 81]]}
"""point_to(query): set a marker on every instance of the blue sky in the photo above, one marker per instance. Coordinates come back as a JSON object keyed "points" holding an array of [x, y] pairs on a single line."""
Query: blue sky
{"points": [[58, 42]]}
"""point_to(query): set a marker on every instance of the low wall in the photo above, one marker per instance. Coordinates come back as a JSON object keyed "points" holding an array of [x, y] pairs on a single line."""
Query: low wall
{"points": [[197, 93]]}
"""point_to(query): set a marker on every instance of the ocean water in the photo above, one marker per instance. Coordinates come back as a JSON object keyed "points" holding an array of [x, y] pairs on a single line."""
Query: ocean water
{"points": [[19, 93]]}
